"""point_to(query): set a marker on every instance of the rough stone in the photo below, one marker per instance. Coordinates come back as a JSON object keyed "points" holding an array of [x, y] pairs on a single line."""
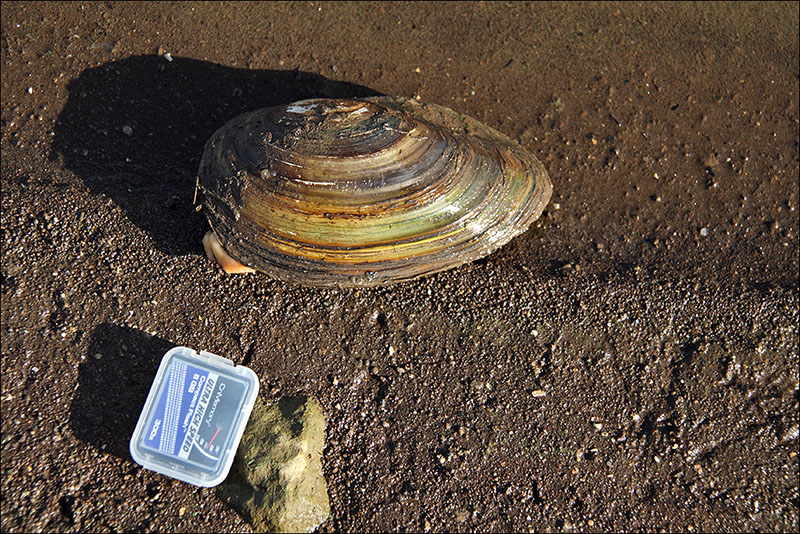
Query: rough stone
{"points": [[276, 482]]}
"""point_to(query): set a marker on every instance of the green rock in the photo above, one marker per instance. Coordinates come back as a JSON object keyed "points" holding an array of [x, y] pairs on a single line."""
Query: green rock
{"points": [[276, 481]]}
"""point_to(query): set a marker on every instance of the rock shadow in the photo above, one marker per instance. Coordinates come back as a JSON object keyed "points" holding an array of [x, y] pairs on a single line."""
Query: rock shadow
{"points": [[113, 382], [135, 129]]}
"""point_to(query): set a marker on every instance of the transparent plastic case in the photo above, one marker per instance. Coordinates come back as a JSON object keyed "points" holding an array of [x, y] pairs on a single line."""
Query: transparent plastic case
{"points": [[194, 417]]}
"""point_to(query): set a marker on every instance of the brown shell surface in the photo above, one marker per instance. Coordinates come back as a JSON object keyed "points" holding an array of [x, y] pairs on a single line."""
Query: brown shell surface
{"points": [[365, 192]]}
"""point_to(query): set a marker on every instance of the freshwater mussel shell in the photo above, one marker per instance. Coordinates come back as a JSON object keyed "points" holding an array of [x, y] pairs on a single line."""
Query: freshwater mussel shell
{"points": [[365, 192]]}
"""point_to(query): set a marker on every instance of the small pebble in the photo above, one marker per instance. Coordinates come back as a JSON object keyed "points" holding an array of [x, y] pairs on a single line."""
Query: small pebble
{"points": [[167, 56], [127, 130], [30, 90], [711, 160], [704, 231], [539, 393]]}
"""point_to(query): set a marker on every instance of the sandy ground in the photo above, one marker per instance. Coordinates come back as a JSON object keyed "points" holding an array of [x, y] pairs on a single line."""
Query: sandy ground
{"points": [[631, 362]]}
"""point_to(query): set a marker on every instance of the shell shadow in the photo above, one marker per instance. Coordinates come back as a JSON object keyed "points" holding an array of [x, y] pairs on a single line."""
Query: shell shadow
{"points": [[113, 386], [135, 129]]}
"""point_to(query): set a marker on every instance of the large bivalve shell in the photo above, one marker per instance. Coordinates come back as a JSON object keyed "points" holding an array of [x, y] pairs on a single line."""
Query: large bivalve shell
{"points": [[365, 192]]}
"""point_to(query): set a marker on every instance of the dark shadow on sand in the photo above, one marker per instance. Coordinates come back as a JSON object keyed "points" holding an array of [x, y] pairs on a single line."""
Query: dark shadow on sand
{"points": [[113, 382], [135, 129]]}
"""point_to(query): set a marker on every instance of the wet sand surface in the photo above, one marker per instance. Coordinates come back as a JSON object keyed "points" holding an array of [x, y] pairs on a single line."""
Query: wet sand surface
{"points": [[630, 362]]}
